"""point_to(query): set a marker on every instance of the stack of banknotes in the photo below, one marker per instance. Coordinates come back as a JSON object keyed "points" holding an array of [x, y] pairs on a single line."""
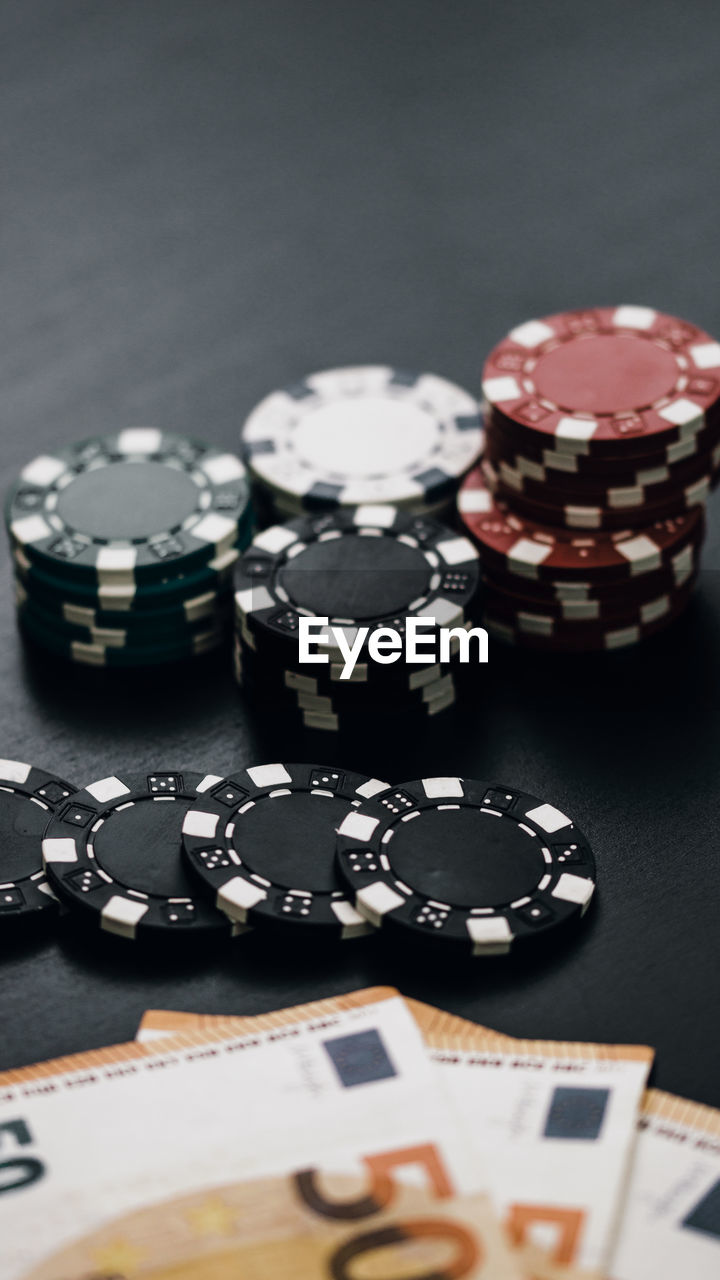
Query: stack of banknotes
{"points": [[363, 1137]]}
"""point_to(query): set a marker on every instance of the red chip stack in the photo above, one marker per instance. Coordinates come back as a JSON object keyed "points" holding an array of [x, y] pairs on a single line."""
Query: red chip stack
{"points": [[602, 446]]}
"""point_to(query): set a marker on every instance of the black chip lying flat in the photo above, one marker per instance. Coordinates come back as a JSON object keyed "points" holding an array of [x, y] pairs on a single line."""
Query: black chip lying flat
{"points": [[473, 863], [28, 799], [263, 844], [114, 852]]}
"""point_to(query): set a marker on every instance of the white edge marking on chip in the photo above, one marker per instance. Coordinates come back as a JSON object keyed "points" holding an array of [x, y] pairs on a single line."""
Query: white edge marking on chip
{"points": [[224, 468], [632, 496], [252, 599], [209, 781], [475, 501], [549, 818], [499, 390], [376, 900], [438, 788], [583, 517], [30, 529], [576, 889], [59, 849], [353, 924], [381, 515], [681, 412], [269, 775], [107, 789], [620, 639], [633, 317], [43, 470], [640, 550], [274, 539], [214, 529], [578, 430], [199, 823], [489, 934], [372, 788], [532, 333], [143, 440], [445, 613], [528, 552], [706, 355], [357, 826], [122, 915], [14, 771], [116, 559], [654, 609], [456, 550], [238, 896]]}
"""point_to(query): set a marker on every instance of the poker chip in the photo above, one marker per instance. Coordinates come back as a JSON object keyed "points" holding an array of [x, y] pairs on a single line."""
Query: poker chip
{"points": [[577, 601], [643, 488], [586, 622], [123, 548], [534, 550], [511, 866], [262, 844], [178, 593], [366, 434], [373, 566], [586, 380], [684, 458], [369, 567], [574, 515], [28, 799], [95, 653], [113, 853], [333, 707], [126, 508]]}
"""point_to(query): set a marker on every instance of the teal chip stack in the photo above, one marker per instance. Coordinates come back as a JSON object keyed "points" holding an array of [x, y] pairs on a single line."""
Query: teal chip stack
{"points": [[123, 547]]}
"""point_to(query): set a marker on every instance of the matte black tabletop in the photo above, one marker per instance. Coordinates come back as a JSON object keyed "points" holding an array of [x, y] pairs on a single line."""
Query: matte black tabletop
{"points": [[203, 201]]}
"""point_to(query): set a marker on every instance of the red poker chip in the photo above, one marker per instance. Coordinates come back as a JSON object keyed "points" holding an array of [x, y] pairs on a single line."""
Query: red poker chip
{"points": [[575, 618], [577, 514], [536, 550], [654, 476], [563, 637], [587, 380], [580, 602]]}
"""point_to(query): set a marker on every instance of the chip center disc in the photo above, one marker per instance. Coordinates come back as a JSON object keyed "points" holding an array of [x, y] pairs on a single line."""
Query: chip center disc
{"points": [[356, 577], [140, 847], [605, 373], [128, 500], [290, 840], [466, 858], [22, 824], [349, 437]]}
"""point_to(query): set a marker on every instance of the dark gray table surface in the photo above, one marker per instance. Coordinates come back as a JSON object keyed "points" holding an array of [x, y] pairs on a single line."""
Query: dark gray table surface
{"points": [[201, 201]]}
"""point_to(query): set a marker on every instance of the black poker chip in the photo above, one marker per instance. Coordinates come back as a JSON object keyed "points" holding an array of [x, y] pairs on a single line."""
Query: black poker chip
{"points": [[367, 566], [113, 852], [127, 507], [262, 843], [28, 799], [461, 861]]}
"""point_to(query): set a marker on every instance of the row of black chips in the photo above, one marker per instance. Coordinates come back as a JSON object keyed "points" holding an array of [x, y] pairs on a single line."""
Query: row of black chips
{"points": [[298, 848]]}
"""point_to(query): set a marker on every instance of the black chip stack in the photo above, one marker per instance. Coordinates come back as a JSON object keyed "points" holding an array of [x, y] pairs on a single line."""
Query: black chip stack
{"points": [[123, 547], [373, 567]]}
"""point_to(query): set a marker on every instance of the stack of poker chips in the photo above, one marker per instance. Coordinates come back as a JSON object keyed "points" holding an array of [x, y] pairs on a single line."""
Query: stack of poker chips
{"points": [[123, 547], [371, 567], [364, 434], [602, 446]]}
